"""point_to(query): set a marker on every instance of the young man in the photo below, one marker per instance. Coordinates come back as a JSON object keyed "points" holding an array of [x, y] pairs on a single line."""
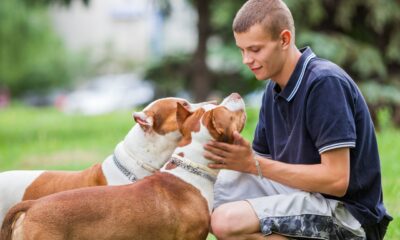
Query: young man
{"points": [[313, 170]]}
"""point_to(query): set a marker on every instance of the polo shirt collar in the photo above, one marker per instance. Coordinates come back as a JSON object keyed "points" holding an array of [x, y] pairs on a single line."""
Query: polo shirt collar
{"points": [[297, 76]]}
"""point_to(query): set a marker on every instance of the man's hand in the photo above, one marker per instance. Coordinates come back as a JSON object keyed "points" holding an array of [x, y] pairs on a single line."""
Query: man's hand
{"points": [[237, 156]]}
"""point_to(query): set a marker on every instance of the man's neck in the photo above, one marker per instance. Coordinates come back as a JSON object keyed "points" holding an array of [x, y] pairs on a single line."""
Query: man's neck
{"points": [[288, 68]]}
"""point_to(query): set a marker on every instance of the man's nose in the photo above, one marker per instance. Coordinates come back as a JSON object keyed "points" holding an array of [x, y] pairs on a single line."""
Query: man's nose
{"points": [[247, 59]]}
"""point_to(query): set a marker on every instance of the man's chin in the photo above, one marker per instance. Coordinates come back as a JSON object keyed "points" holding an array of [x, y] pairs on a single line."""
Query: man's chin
{"points": [[262, 78]]}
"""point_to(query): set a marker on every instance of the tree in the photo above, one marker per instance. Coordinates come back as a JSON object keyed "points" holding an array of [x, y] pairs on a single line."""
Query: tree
{"points": [[362, 36], [32, 57], [193, 72], [199, 69]]}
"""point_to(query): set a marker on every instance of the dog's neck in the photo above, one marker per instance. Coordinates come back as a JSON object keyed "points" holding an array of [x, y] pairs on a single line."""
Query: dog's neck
{"points": [[142, 153], [193, 161]]}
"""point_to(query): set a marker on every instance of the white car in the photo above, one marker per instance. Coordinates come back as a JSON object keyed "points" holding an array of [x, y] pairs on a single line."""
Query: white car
{"points": [[106, 94]]}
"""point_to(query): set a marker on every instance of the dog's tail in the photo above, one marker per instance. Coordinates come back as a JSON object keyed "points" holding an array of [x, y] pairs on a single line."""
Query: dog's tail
{"points": [[14, 219]]}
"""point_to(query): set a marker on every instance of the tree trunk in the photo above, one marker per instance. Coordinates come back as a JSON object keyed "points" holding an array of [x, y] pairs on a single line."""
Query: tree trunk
{"points": [[200, 74]]}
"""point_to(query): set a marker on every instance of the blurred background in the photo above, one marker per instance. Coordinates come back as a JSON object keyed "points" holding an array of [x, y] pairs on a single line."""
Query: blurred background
{"points": [[88, 56], [71, 71]]}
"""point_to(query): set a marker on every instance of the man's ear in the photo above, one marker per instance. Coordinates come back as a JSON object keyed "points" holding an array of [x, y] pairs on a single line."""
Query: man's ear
{"points": [[145, 120], [286, 38]]}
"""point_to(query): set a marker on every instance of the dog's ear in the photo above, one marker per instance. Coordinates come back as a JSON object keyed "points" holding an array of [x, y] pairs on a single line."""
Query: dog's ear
{"points": [[182, 113], [188, 122], [219, 125], [144, 119]]}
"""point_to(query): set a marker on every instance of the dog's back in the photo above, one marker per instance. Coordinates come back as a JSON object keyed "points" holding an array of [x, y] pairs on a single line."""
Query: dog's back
{"points": [[57, 181], [161, 206]]}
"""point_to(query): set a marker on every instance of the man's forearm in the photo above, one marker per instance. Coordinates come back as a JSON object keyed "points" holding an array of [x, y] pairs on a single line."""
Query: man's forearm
{"points": [[322, 178]]}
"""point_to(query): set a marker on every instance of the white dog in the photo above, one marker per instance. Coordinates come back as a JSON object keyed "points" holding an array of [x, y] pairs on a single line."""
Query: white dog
{"points": [[172, 205], [146, 148]]}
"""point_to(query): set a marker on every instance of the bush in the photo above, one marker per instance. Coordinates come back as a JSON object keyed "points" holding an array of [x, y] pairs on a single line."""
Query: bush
{"points": [[32, 57]]}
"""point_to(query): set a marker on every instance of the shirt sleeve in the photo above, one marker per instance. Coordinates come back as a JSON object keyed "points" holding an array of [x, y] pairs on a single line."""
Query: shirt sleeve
{"points": [[260, 145], [330, 114]]}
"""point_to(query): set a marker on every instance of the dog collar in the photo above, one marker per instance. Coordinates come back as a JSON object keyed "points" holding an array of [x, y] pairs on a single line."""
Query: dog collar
{"points": [[132, 177], [193, 167]]}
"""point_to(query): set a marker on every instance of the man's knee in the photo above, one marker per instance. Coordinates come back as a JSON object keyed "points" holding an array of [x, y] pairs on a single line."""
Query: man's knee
{"points": [[228, 220], [221, 225]]}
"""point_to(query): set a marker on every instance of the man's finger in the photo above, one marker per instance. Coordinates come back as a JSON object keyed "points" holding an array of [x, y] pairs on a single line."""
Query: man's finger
{"points": [[239, 140], [213, 157], [216, 166], [215, 151], [223, 146]]}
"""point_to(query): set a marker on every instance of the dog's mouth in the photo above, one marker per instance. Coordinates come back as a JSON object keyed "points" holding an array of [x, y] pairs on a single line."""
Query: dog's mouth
{"points": [[233, 102]]}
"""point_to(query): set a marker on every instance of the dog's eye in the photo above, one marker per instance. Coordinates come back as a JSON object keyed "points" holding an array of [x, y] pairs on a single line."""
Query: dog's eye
{"points": [[185, 104]]}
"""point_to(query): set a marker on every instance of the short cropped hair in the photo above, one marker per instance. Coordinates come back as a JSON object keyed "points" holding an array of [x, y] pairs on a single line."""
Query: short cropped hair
{"points": [[273, 15]]}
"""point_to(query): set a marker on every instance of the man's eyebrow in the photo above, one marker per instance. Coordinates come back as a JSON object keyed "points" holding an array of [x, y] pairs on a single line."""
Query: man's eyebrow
{"points": [[251, 46]]}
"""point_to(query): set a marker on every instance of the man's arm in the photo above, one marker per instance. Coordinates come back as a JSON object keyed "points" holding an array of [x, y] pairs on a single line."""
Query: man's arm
{"points": [[331, 176]]}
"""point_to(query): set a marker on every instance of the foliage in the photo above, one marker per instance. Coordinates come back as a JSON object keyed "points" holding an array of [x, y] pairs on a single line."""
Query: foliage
{"points": [[32, 57], [52, 140], [226, 72], [47, 2], [380, 94], [171, 75], [361, 36]]}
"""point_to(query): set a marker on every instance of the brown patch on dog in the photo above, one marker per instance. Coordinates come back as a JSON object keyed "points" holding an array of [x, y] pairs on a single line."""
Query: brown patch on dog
{"points": [[164, 114], [170, 165], [221, 123], [188, 122], [50, 182]]}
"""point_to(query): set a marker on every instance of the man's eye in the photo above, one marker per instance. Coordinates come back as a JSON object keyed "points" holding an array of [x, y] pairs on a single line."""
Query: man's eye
{"points": [[255, 49]]}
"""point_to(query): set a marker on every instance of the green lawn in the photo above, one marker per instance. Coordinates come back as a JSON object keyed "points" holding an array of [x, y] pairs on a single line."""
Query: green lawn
{"points": [[46, 139]]}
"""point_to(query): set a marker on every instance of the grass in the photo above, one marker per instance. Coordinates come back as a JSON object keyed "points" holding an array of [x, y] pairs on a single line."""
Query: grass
{"points": [[47, 139]]}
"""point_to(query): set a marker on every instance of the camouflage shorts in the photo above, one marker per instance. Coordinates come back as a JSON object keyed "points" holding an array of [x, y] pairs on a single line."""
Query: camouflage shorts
{"points": [[287, 211], [306, 215]]}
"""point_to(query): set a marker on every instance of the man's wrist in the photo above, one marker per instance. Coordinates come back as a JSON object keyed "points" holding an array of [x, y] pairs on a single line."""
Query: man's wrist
{"points": [[258, 167]]}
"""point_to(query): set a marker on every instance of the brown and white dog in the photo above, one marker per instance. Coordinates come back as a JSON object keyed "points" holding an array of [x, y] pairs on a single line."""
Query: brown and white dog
{"points": [[171, 205], [146, 148]]}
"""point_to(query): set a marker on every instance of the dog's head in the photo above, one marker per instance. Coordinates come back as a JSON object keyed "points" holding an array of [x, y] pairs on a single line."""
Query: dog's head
{"points": [[161, 115], [217, 122]]}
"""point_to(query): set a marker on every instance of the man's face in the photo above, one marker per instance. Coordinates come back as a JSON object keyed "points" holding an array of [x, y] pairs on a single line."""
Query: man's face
{"points": [[260, 53]]}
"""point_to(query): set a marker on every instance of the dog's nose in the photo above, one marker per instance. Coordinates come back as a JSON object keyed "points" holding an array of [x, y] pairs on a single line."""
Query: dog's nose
{"points": [[235, 96], [233, 102]]}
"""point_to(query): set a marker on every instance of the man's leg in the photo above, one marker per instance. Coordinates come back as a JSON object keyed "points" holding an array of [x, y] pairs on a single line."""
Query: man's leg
{"points": [[297, 215], [237, 220]]}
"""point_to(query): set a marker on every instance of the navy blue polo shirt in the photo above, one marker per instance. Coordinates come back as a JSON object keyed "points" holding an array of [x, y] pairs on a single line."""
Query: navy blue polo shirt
{"points": [[321, 109]]}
